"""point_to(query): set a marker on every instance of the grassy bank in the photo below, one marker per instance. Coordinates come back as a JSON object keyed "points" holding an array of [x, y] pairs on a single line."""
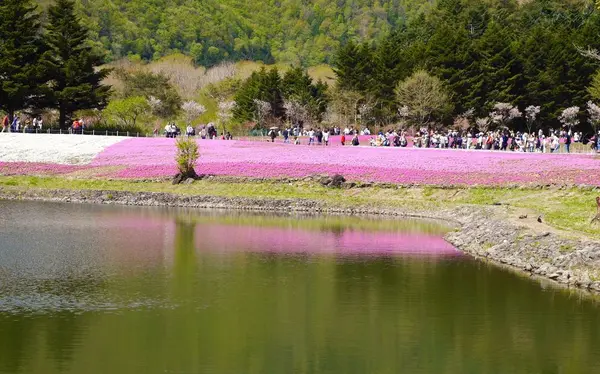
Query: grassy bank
{"points": [[567, 211]]}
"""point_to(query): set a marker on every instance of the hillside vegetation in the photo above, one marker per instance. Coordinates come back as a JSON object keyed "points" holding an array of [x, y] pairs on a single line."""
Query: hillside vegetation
{"points": [[294, 31]]}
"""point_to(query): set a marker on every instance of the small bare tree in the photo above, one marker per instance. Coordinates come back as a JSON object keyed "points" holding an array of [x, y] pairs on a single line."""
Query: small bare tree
{"points": [[483, 124], [186, 158], [531, 113], [463, 121]]}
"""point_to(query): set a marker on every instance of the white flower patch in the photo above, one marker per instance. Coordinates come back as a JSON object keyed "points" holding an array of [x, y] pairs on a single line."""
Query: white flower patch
{"points": [[55, 149]]}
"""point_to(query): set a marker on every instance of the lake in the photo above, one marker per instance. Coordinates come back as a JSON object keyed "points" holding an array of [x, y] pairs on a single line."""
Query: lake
{"points": [[104, 289]]}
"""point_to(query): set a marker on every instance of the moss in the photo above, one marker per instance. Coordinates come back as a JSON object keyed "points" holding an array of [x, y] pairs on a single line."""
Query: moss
{"points": [[565, 248]]}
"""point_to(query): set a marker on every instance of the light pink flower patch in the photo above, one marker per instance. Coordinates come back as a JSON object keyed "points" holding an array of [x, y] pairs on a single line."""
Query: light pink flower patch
{"points": [[33, 168]]}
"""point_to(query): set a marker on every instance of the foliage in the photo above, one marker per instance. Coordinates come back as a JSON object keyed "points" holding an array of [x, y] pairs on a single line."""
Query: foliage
{"points": [[263, 95], [21, 75], [187, 156], [127, 111], [300, 32], [522, 52], [423, 99], [72, 64], [594, 88], [152, 86]]}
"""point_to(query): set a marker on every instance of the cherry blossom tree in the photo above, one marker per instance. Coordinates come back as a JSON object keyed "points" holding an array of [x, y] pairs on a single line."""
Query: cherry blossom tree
{"points": [[504, 113], [263, 109], [594, 113], [192, 110], [570, 117]]}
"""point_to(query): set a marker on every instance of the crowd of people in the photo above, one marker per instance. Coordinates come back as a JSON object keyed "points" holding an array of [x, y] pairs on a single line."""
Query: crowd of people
{"points": [[502, 140], [18, 124], [208, 131]]}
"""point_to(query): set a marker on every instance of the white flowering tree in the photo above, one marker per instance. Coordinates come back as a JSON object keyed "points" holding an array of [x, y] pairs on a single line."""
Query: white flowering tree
{"points": [[192, 110], [503, 114], [463, 122], [155, 105], [296, 112], [366, 113], [594, 113], [263, 109], [570, 117], [225, 111], [531, 114]]}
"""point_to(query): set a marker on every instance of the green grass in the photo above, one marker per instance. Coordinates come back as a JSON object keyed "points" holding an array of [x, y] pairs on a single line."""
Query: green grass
{"points": [[568, 210]]}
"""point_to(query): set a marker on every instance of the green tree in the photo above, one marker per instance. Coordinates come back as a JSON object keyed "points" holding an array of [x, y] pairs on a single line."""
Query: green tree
{"points": [[127, 111], [152, 85], [21, 75], [263, 86], [72, 64], [594, 88], [423, 99]]}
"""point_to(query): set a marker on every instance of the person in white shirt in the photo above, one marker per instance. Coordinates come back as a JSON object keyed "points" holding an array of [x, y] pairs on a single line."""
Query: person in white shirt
{"points": [[347, 131], [326, 136], [311, 137]]}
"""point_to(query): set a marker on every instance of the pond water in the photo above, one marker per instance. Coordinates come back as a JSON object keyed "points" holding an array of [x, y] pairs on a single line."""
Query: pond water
{"points": [[98, 289]]}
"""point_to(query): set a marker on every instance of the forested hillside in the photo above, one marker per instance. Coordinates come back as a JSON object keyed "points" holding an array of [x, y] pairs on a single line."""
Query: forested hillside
{"points": [[295, 31]]}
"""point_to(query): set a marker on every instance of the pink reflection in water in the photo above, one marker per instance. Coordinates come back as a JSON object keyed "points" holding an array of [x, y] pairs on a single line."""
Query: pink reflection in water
{"points": [[224, 238]]}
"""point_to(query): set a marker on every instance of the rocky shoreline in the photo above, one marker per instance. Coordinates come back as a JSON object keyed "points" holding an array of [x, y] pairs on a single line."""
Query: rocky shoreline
{"points": [[485, 232]]}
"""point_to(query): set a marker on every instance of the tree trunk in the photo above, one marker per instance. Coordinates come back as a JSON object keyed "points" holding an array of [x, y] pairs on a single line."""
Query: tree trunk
{"points": [[62, 117]]}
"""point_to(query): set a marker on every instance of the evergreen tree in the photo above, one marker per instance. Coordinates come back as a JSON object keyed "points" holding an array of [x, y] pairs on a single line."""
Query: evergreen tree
{"points": [[264, 86], [75, 81], [20, 49]]}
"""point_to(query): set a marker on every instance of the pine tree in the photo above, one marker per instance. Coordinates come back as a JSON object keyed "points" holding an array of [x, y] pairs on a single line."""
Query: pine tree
{"points": [[71, 64], [20, 49]]}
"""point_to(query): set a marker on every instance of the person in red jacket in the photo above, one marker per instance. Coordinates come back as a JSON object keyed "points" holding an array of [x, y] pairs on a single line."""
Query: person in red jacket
{"points": [[5, 123]]}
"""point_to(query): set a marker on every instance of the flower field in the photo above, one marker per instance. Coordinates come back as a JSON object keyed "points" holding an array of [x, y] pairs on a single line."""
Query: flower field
{"points": [[143, 158]]}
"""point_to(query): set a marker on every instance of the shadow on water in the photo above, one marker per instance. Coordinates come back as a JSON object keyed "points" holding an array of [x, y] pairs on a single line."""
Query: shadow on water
{"points": [[125, 290]]}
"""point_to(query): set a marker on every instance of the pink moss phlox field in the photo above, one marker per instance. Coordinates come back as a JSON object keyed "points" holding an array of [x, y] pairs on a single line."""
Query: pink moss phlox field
{"points": [[154, 157]]}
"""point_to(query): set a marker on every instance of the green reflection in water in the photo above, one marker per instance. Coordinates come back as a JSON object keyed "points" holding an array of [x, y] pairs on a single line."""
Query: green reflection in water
{"points": [[185, 307]]}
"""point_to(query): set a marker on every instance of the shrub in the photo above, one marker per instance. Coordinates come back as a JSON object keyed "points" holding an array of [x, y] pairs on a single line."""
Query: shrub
{"points": [[187, 155]]}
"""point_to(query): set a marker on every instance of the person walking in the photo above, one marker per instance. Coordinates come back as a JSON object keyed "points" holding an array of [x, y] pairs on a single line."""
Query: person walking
{"points": [[568, 142], [326, 137], [5, 122]]}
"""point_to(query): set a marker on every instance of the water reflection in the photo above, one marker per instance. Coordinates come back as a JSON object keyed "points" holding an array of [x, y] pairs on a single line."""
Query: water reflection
{"points": [[154, 290]]}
